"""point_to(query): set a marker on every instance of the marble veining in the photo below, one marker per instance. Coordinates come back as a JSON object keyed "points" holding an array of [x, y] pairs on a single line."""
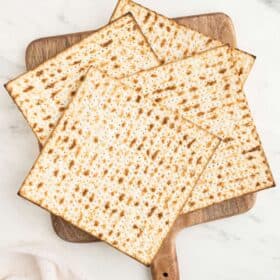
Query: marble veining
{"points": [[242, 247], [274, 4]]}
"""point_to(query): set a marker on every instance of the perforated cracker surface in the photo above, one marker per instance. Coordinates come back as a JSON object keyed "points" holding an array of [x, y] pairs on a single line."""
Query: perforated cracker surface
{"points": [[119, 49], [169, 40], [207, 89], [119, 167]]}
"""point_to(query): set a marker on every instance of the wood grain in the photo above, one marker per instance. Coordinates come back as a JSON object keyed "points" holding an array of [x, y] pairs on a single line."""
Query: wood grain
{"points": [[216, 25]]}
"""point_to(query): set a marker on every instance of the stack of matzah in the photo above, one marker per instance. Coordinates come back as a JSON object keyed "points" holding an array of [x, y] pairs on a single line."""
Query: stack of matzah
{"points": [[130, 140]]}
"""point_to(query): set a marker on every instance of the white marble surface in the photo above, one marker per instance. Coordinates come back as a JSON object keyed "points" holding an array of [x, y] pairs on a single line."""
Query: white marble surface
{"points": [[242, 247]]}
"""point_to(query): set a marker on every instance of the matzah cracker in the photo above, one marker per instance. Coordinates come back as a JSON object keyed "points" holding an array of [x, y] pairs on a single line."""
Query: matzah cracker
{"points": [[119, 167], [119, 49], [169, 40], [207, 89]]}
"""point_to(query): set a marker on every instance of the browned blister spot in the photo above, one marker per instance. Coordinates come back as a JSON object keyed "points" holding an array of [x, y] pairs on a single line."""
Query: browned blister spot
{"points": [[222, 71], [91, 198], [147, 16], [165, 120], [107, 205], [163, 42], [85, 191], [121, 197], [186, 52], [140, 147], [107, 43], [154, 155], [228, 139], [199, 160], [73, 145], [73, 92], [71, 164], [165, 89], [51, 85], [246, 116], [183, 101], [200, 114], [171, 125], [81, 69], [132, 142], [76, 62], [240, 71], [227, 86], [129, 200], [46, 118], [191, 143], [213, 117], [144, 190], [152, 211], [229, 164], [138, 98], [63, 78], [150, 127], [257, 148], [193, 89], [210, 83], [39, 73], [135, 27], [64, 125], [28, 88], [140, 111], [158, 99], [122, 213]]}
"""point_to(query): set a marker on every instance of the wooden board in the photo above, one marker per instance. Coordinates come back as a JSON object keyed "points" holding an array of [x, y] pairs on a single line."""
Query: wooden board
{"points": [[216, 25]]}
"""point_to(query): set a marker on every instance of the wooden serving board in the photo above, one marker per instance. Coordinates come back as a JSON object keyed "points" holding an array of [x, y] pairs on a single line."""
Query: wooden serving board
{"points": [[216, 25]]}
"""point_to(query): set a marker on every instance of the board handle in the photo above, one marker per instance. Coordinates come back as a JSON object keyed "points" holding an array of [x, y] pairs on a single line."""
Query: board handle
{"points": [[165, 264]]}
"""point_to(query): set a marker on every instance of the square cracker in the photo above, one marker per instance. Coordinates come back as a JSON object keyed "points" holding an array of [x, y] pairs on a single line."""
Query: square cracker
{"points": [[207, 89], [169, 40], [42, 94], [119, 166]]}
